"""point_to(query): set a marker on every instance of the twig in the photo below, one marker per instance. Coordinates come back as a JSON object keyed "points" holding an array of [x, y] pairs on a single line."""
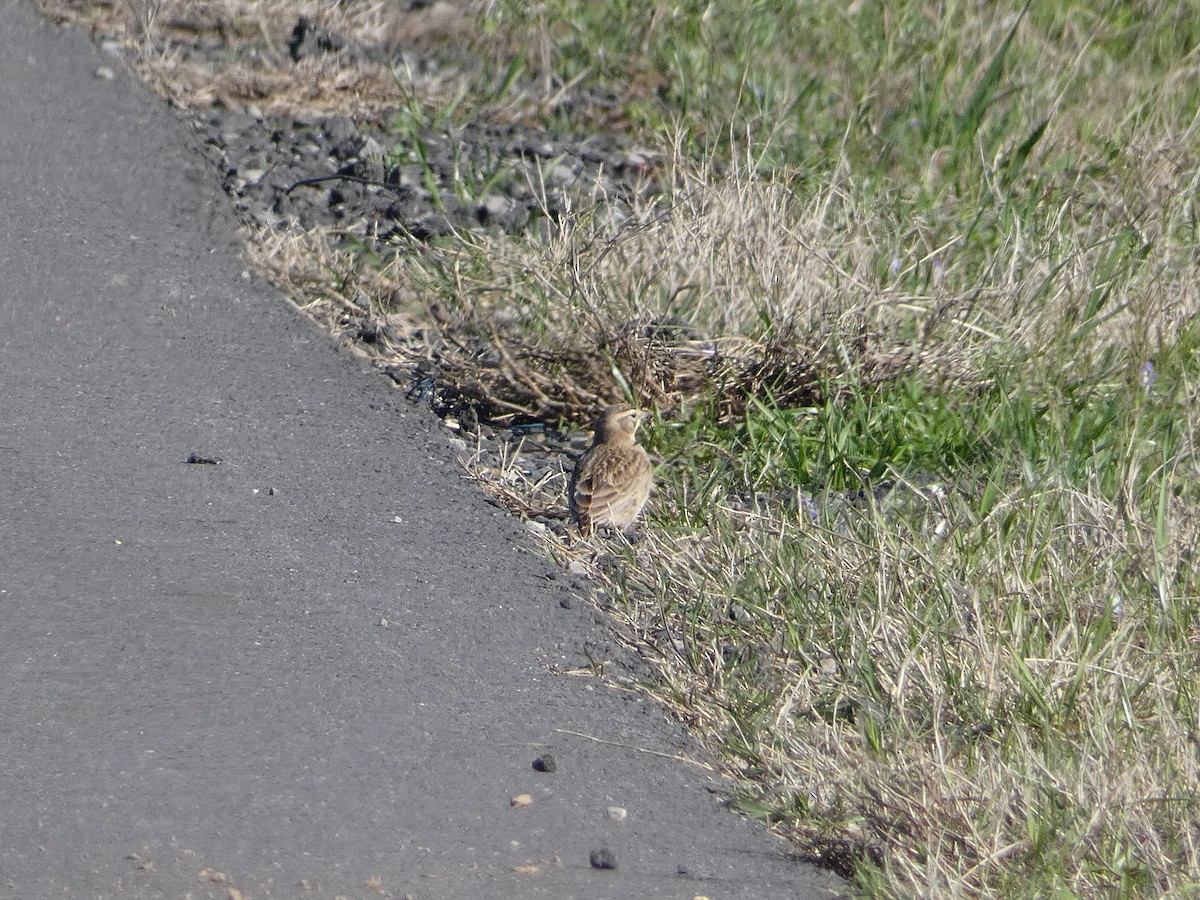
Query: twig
{"points": [[305, 182], [678, 757]]}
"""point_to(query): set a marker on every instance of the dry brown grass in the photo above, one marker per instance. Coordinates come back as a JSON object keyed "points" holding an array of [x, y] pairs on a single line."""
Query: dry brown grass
{"points": [[930, 767], [254, 72], [719, 289]]}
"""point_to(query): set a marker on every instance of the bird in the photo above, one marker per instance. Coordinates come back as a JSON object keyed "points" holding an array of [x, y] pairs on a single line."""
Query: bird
{"points": [[612, 478]]}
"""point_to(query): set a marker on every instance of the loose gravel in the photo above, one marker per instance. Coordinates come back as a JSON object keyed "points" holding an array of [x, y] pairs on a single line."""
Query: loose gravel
{"points": [[377, 186]]}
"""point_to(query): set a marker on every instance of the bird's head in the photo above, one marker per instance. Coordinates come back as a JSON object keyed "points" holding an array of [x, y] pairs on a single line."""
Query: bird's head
{"points": [[618, 423]]}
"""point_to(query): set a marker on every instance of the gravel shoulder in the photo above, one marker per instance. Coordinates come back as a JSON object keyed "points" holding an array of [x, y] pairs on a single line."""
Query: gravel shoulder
{"points": [[321, 664]]}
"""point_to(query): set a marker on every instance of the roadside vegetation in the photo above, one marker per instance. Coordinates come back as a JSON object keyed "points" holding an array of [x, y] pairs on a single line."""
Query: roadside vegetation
{"points": [[911, 290]]}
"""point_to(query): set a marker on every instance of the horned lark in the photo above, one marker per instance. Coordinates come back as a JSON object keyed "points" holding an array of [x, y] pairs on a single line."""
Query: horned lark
{"points": [[611, 481]]}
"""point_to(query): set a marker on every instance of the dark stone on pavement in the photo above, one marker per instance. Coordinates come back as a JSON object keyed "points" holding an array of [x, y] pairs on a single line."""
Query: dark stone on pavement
{"points": [[603, 859]]}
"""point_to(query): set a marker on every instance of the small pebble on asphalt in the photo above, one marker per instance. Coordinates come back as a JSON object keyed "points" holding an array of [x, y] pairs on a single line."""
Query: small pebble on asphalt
{"points": [[603, 859], [545, 763]]}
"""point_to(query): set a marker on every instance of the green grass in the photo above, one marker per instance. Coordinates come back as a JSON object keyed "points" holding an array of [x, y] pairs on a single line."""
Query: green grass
{"points": [[994, 690]]}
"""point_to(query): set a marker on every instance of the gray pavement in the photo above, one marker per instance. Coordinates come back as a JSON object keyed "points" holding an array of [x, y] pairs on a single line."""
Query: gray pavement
{"points": [[197, 695]]}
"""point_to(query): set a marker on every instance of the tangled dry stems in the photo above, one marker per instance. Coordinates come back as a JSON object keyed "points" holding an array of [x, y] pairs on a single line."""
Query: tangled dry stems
{"points": [[683, 298]]}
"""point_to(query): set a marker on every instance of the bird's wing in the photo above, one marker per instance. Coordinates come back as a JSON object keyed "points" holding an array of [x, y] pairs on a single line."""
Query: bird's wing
{"points": [[607, 481]]}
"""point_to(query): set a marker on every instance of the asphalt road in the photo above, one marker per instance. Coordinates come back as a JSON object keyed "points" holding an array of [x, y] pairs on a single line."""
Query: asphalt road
{"points": [[198, 695]]}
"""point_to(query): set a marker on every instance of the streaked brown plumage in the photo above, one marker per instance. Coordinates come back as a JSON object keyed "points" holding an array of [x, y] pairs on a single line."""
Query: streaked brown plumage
{"points": [[612, 479]]}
